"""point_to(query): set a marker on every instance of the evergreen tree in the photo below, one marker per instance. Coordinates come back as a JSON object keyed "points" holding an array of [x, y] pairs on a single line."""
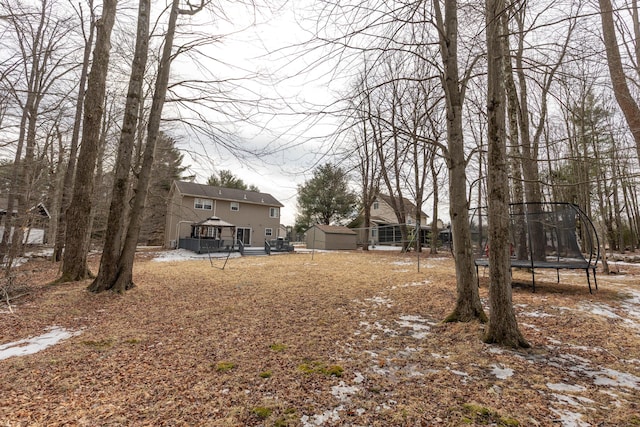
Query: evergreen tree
{"points": [[325, 198], [167, 167], [226, 178]]}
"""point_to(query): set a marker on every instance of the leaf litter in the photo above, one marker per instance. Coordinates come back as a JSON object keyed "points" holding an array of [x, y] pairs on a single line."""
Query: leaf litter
{"points": [[153, 356]]}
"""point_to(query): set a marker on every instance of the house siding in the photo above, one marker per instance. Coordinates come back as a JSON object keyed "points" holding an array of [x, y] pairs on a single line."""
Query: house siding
{"points": [[181, 213]]}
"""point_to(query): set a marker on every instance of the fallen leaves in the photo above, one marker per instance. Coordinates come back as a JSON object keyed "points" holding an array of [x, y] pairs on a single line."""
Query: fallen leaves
{"points": [[194, 345]]}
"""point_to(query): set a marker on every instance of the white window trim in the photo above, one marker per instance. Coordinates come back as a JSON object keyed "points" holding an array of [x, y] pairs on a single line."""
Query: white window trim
{"points": [[276, 211], [236, 205], [204, 204], [268, 232]]}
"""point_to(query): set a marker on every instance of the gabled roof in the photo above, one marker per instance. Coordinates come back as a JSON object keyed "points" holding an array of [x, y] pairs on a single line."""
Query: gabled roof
{"points": [[39, 209], [334, 229], [408, 204], [222, 193], [214, 221]]}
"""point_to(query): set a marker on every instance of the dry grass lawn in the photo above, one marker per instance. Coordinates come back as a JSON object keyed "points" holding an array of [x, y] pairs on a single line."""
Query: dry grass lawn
{"points": [[340, 339]]}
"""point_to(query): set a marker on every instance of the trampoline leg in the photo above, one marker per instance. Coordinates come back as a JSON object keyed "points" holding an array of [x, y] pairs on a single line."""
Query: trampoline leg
{"points": [[558, 273], [589, 280], [595, 279], [533, 279]]}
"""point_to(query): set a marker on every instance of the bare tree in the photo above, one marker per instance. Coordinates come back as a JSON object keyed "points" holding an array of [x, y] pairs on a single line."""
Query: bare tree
{"points": [[67, 185], [468, 306], [122, 277], [628, 104], [40, 38], [116, 220], [502, 327], [75, 265]]}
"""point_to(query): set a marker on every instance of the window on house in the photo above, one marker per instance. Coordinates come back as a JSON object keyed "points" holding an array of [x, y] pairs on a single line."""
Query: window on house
{"points": [[376, 205], [374, 233], [235, 206], [205, 204], [268, 232], [274, 212]]}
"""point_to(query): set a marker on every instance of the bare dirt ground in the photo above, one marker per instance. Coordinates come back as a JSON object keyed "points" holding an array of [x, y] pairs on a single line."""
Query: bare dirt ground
{"points": [[340, 339]]}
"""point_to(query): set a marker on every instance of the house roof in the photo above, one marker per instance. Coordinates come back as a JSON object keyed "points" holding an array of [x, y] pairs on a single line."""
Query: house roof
{"points": [[223, 193], [334, 229], [409, 205], [39, 209]]}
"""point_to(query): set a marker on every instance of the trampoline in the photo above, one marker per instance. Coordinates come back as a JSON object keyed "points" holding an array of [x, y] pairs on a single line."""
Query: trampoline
{"points": [[550, 235]]}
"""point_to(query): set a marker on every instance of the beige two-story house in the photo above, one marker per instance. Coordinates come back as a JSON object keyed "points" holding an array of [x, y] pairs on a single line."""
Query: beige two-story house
{"points": [[204, 211], [385, 228]]}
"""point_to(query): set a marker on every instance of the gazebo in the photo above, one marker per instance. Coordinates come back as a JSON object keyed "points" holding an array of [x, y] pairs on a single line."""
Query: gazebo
{"points": [[210, 235]]}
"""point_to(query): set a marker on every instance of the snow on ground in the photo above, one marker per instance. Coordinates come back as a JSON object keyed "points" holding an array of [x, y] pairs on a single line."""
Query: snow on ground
{"points": [[33, 345], [568, 404], [186, 255]]}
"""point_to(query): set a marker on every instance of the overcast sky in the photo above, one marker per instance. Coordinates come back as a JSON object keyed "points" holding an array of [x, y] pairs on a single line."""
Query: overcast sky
{"points": [[273, 49]]}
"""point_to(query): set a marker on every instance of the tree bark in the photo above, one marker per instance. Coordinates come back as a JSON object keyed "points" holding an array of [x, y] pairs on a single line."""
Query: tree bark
{"points": [[108, 272], [502, 327], [626, 101], [74, 266], [67, 186], [468, 306], [124, 279]]}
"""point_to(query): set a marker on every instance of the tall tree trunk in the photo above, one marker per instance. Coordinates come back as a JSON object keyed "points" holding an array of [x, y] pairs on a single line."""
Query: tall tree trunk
{"points": [[513, 110], [468, 306], [108, 272], [433, 249], [124, 280], [67, 186], [74, 266], [502, 327], [628, 104]]}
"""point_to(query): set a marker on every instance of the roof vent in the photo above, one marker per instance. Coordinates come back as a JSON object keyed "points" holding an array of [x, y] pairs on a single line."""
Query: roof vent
{"points": [[245, 197], [262, 200], [219, 191]]}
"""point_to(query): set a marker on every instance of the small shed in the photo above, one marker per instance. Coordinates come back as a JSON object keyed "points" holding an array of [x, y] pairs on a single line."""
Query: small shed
{"points": [[331, 237]]}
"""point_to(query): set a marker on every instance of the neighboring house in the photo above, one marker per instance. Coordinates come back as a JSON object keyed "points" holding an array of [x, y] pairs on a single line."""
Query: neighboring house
{"points": [[331, 237], [37, 223], [384, 227], [246, 216]]}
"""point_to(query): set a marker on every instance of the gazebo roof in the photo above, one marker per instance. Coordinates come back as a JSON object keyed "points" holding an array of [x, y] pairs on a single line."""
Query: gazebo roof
{"points": [[214, 221]]}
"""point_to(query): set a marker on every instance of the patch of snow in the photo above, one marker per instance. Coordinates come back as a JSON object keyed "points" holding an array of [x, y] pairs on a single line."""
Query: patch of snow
{"points": [[387, 331], [359, 379], [379, 301], [318, 420], [402, 263], [413, 284], [186, 255], [500, 372], [530, 326], [439, 356], [343, 392], [565, 387], [33, 345], [459, 373], [419, 325], [570, 419], [600, 310], [539, 314], [576, 401], [611, 377], [600, 376]]}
